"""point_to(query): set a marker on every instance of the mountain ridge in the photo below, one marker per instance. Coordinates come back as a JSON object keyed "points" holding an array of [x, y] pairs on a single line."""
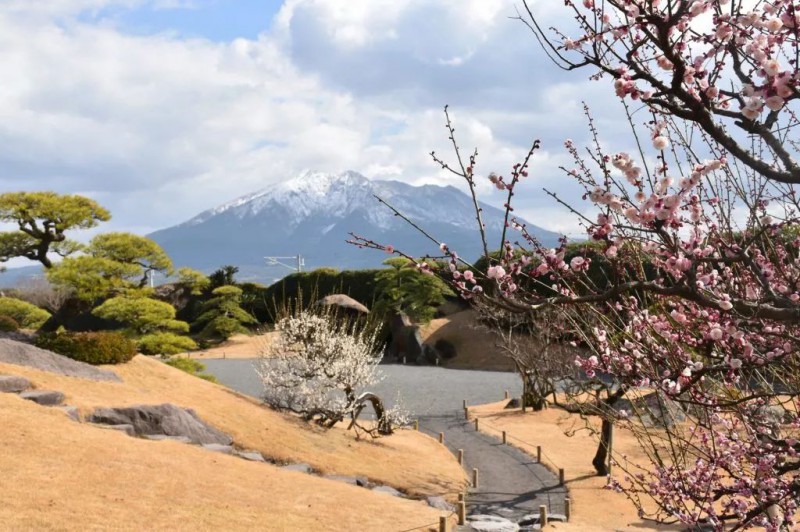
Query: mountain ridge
{"points": [[312, 214]]}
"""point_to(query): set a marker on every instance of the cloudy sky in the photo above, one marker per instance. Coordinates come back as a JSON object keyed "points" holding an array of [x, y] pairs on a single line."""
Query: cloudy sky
{"points": [[160, 109]]}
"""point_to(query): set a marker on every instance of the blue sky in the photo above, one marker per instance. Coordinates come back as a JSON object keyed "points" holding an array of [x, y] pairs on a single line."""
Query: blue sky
{"points": [[171, 107], [216, 20]]}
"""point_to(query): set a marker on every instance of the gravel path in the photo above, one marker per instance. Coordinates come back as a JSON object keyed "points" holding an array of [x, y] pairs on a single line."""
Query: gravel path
{"points": [[511, 484]]}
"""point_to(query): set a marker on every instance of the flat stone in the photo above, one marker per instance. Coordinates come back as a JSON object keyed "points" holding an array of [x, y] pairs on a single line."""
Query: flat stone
{"points": [[387, 490], [165, 419], [218, 448], [513, 403], [44, 397], [533, 519], [253, 456], [438, 502], [302, 468], [491, 523], [164, 437], [127, 429], [72, 412], [13, 384]]}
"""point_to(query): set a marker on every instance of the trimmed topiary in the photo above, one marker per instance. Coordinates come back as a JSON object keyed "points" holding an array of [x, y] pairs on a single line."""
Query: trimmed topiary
{"points": [[90, 347], [8, 324], [165, 343], [26, 315]]}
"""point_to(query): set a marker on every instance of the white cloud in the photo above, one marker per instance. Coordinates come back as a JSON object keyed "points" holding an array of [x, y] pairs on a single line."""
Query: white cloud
{"points": [[158, 127]]}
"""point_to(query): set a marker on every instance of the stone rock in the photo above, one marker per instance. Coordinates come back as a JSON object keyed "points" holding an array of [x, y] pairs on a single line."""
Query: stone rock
{"points": [[491, 523], [23, 354], [127, 429], [533, 519], [253, 456], [72, 412], [166, 419], [445, 348], [163, 437], [302, 468], [218, 448], [387, 490], [653, 410], [435, 501], [13, 384], [44, 397], [513, 403], [355, 481]]}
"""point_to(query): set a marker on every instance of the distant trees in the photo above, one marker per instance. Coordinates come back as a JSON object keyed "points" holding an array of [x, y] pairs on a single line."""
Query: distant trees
{"points": [[43, 220]]}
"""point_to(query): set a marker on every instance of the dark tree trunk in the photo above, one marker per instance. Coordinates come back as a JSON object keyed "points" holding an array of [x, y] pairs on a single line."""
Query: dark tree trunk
{"points": [[600, 461], [384, 425]]}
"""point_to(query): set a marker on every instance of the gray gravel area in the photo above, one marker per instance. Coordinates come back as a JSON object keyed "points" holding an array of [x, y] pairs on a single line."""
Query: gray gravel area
{"points": [[511, 483]]}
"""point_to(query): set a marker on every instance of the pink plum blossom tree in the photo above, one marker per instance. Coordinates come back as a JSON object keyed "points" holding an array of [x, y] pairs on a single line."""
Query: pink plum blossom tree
{"points": [[706, 200]]}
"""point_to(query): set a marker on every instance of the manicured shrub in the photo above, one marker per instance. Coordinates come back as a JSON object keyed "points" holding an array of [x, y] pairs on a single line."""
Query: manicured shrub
{"points": [[8, 324], [90, 347], [192, 367], [26, 315], [223, 316], [165, 343]]}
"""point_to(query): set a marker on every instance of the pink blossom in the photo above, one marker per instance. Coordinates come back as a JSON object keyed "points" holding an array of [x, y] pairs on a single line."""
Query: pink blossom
{"points": [[495, 272], [660, 143]]}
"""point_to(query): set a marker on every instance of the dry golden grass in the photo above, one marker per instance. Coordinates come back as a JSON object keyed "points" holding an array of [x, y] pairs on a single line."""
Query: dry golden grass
{"points": [[475, 347], [56, 474], [407, 460], [237, 346], [593, 507]]}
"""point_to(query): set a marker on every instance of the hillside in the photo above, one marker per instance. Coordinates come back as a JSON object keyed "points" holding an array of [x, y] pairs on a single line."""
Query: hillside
{"points": [[87, 477]]}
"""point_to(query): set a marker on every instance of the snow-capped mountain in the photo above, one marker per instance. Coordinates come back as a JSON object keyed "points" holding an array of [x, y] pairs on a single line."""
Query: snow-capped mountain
{"points": [[312, 214]]}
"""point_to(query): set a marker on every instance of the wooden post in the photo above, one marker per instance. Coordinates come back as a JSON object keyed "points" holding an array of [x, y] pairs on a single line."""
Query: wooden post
{"points": [[462, 513], [538, 454], [542, 517], [462, 497], [476, 423], [505, 438], [442, 523], [507, 394], [610, 448], [465, 404], [416, 424], [567, 508], [466, 413], [461, 457], [474, 477], [404, 361], [441, 437], [560, 477]]}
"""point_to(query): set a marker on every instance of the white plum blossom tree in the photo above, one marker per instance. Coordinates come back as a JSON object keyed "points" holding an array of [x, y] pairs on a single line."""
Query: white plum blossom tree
{"points": [[321, 366]]}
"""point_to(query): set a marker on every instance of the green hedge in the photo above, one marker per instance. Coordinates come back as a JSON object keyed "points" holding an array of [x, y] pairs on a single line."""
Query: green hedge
{"points": [[264, 303], [90, 347]]}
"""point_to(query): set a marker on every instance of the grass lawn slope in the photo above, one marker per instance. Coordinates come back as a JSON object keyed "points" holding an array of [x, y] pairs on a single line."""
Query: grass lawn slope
{"points": [[56, 473]]}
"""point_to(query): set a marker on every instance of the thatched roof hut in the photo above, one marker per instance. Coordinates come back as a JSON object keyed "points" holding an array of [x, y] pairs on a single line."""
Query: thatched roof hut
{"points": [[344, 302]]}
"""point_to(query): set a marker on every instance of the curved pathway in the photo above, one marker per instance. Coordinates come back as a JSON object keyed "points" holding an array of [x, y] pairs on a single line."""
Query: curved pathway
{"points": [[511, 484]]}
